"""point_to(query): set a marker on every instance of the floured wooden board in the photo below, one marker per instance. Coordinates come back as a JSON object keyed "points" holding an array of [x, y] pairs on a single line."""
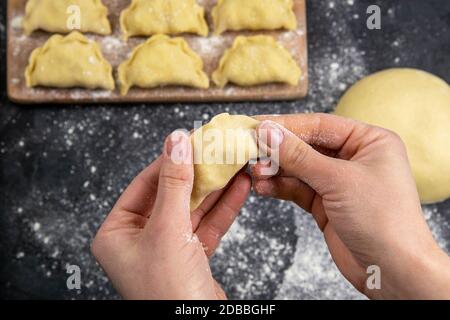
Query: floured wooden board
{"points": [[116, 50]]}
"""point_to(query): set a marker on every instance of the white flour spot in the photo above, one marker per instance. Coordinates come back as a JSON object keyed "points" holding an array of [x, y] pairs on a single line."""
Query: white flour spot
{"points": [[16, 22], [313, 274], [112, 43]]}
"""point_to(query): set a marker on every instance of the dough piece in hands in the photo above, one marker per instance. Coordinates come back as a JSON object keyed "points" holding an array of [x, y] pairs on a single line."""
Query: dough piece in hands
{"points": [[54, 15], [150, 17], [68, 62], [256, 60], [221, 149], [162, 61], [415, 105], [253, 15]]}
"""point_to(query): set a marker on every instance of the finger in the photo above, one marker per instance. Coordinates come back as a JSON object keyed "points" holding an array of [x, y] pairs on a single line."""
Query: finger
{"points": [[292, 189], [207, 204], [318, 212], [324, 130], [261, 170], [140, 195], [300, 160], [174, 183], [134, 205], [289, 189], [217, 222], [344, 259]]}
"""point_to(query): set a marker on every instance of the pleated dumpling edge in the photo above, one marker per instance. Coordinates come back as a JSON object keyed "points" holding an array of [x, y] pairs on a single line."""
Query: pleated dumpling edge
{"points": [[53, 16], [256, 60], [237, 15], [67, 62], [169, 17], [221, 149], [162, 61]]}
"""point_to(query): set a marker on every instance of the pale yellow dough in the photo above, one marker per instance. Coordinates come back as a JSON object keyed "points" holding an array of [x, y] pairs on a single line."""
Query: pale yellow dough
{"points": [[256, 60], [221, 149], [150, 17], [162, 61], [253, 15], [52, 16], [415, 105], [67, 62]]}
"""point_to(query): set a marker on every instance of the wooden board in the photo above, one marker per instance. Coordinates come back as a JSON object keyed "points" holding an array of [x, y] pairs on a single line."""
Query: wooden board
{"points": [[115, 51]]}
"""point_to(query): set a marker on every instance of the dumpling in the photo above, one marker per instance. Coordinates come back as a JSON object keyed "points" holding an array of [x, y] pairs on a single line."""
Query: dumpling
{"points": [[221, 149], [70, 61], [256, 60], [162, 61], [57, 16], [149, 17], [253, 15]]}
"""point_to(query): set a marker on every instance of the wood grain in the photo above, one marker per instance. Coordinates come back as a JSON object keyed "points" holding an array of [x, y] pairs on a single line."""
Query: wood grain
{"points": [[115, 51]]}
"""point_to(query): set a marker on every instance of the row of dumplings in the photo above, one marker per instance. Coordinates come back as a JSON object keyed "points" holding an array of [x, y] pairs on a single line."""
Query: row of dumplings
{"points": [[150, 17], [75, 61]]}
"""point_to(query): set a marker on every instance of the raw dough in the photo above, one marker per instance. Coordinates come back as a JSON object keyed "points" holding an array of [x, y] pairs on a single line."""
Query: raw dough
{"points": [[415, 105], [253, 15], [225, 136], [162, 61], [149, 17], [67, 62], [256, 60], [52, 16]]}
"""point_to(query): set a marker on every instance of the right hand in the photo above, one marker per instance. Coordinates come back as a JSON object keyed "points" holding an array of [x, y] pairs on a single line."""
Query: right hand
{"points": [[356, 181]]}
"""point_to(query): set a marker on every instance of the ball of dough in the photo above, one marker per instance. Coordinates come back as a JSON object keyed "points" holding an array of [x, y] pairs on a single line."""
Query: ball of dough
{"points": [[415, 105]]}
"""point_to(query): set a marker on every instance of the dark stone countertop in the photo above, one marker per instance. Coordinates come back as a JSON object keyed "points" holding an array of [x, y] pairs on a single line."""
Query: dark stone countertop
{"points": [[63, 167]]}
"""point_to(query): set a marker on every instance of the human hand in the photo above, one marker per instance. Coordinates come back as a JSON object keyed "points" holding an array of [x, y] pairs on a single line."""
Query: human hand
{"points": [[151, 246], [356, 181]]}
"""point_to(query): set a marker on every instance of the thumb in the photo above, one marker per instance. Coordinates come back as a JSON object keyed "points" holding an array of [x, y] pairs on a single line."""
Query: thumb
{"points": [[298, 159], [175, 182]]}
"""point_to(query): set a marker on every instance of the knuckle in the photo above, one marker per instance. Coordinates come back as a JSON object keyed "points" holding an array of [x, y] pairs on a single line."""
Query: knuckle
{"points": [[176, 178], [214, 231], [393, 135], [394, 140], [298, 154]]}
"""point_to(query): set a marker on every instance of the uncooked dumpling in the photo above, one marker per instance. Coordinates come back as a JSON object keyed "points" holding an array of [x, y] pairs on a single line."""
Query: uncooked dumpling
{"points": [[67, 62], [253, 15], [57, 15], [149, 17], [221, 149], [162, 61], [256, 60], [415, 105]]}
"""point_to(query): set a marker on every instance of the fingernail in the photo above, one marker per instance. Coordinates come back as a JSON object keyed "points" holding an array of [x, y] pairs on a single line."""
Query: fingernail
{"points": [[272, 133], [177, 147]]}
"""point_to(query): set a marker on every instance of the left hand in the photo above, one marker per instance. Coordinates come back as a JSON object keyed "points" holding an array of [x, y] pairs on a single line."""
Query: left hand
{"points": [[151, 246]]}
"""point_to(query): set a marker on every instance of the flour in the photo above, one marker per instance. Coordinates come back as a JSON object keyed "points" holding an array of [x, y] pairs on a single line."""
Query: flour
{"points": [[333, 67], [111, 43], [16, 22], [274, 250], [212, 45]]}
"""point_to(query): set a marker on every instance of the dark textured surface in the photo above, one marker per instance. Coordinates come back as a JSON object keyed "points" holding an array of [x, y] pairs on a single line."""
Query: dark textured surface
{"points": [[62, 167]]}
